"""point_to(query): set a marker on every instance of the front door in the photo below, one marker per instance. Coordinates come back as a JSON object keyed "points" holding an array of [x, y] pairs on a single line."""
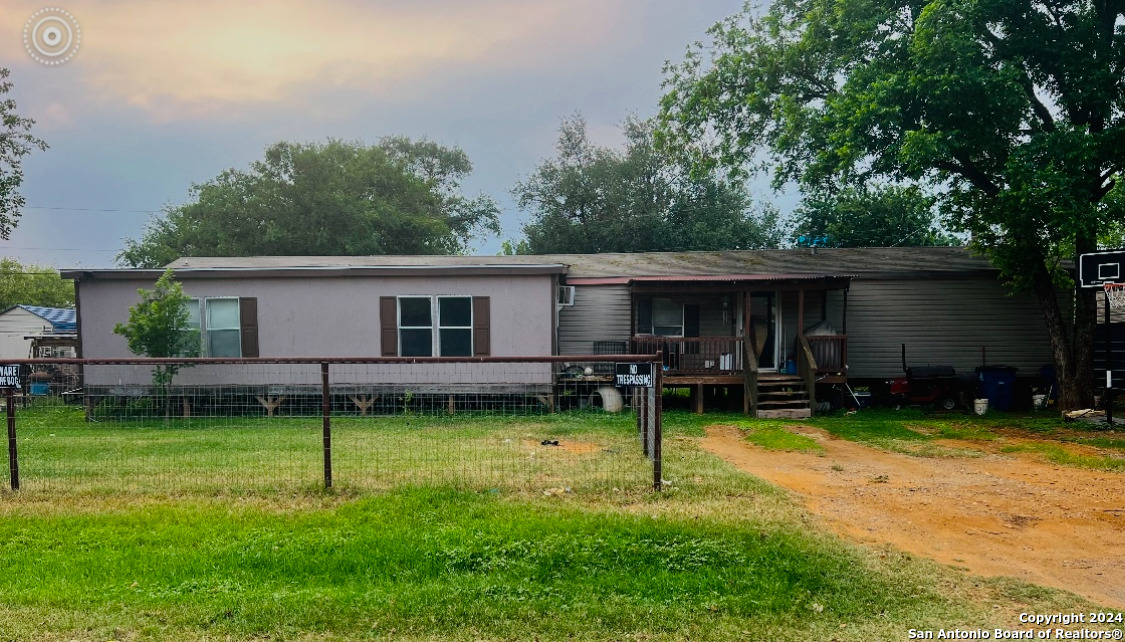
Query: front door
{"points": [[764, 322]]}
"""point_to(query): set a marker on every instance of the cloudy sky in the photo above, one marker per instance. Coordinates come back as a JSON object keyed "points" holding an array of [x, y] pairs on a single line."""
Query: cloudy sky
{"points": [[162, 94]]}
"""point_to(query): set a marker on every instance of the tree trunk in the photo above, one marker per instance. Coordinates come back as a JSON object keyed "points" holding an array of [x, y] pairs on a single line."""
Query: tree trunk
{"points": [[1071, 343]]}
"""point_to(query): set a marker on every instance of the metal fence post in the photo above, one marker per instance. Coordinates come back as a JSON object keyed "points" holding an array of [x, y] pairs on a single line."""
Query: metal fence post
{"points": [[644, 419], [13, 458], [326, 403], [658, 420]]}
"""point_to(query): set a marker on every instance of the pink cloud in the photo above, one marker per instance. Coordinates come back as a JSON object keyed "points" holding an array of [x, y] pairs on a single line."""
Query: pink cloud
{"points": [[215, 57]]}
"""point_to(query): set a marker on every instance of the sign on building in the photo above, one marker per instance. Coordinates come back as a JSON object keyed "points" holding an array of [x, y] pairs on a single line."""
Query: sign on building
{"points": [[633, 375]]}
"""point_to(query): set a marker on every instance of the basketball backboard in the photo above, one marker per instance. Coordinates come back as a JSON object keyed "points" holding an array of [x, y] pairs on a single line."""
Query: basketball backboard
{"points": [[1098, 268]]}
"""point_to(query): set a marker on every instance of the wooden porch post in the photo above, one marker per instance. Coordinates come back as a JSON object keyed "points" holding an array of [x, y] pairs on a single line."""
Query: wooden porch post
{"points": [[845, 330], [748, 351], [800, 312], [630, 349]]}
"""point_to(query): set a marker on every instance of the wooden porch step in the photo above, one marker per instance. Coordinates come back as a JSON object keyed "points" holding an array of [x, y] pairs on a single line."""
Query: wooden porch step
{"points": [[783, 393], [783, 402], [785, 413], [770, 377]]}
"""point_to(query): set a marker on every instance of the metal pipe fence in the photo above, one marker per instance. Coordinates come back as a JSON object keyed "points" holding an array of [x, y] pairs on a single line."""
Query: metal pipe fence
{"points": [[214, 426]]}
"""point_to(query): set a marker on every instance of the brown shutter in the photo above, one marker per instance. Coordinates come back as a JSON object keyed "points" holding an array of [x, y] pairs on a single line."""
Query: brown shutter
{"points": [[248, 320], [482, 344], [388, 322]]}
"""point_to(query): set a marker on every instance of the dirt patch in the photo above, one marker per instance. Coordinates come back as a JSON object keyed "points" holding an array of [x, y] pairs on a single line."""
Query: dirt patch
{"points": [[993, 515]]}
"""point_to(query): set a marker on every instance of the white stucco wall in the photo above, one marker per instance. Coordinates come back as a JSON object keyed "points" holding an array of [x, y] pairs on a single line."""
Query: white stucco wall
{"points": [[332, 317]]}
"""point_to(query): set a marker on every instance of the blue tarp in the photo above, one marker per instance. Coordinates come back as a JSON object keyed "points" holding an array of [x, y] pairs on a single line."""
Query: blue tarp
{"points": [[61, 319]]}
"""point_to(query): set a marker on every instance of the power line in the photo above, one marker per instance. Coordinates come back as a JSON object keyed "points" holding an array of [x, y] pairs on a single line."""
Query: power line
{"points": [[88, 209], [4, 248]]}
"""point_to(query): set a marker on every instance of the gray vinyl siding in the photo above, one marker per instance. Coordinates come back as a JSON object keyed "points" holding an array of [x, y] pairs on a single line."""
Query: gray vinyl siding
{"points": [[711, 321], [1115, 315], [942, 322], [599, 313], [814, 310]]}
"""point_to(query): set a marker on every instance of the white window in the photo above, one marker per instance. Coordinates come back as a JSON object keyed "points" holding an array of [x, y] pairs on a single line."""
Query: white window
{"points": [[455, 326], [435, 326], [223, 336], [192, 308], [415, 326]]}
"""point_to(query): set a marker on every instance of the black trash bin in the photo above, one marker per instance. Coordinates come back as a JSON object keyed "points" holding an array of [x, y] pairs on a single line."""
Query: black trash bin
{"points": [[996, 384]]}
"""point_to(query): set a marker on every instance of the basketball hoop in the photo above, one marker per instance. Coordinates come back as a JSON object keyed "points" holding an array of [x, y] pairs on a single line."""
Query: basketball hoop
{"points": [[1115, 295]]}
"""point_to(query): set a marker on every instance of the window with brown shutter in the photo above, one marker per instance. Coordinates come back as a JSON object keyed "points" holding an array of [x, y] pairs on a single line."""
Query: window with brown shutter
{"points": [[248, 321], [482, 344], [388, 324]]}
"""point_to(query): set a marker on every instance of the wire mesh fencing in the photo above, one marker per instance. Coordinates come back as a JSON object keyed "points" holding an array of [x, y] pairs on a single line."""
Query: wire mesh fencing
{"points": [[213, 426]]}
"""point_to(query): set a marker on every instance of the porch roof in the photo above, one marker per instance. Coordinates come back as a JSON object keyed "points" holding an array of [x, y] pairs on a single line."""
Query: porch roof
{"points": [[879, 262], [715, 278]]}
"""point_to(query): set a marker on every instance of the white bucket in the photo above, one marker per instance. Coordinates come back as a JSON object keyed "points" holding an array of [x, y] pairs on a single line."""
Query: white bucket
{"points": [[980, 406], [1039, 402]]}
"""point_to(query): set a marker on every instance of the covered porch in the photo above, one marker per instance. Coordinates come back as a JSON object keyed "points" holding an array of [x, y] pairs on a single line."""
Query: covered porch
{"points": [[771, 338]]}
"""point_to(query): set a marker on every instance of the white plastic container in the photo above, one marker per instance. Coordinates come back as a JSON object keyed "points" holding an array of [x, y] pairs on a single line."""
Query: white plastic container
{"points": [[980, 406], [1038, 402], [612, 401]]}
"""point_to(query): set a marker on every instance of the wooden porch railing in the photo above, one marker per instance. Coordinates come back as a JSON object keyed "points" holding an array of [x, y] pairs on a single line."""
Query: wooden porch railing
{"points": [[694, 355], [750, 380], [807, 367], [830, 352]]}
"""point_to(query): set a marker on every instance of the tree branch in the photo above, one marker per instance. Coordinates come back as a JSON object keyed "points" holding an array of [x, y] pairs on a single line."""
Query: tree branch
{"points": [[979, 179], [1028, 86]]}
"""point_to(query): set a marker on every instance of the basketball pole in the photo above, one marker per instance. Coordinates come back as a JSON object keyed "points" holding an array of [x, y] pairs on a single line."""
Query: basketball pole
{"points": [[1108, 364]]}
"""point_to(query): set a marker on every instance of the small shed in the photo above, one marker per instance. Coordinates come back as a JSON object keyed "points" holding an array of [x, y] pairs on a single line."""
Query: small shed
{"points": [[24, 326]]}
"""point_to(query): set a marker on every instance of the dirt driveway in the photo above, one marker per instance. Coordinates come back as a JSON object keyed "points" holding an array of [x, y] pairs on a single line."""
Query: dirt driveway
{"points": [[996, 514]]}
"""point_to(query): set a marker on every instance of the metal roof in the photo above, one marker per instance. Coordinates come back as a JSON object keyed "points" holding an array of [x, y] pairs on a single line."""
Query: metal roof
{"points": [[61, 319], [237, 267], [861, 262], [698, 278]]}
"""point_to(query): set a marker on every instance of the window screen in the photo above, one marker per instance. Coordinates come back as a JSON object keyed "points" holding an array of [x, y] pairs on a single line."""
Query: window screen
{"points": [[223, 328], [667, 318], [455, 329], [191, 306], [416, 328]]}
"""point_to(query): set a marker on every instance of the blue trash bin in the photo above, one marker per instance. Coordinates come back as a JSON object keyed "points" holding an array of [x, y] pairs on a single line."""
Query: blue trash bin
{"points": [[996, 384]]}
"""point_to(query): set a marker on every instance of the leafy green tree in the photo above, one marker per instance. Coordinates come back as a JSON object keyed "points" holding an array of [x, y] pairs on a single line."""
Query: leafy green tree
{"points": [[33, 285], [16, 142], [593, 199], [512, 248], [1011, 111], [339, 198], [160, 326], [885, 216]]}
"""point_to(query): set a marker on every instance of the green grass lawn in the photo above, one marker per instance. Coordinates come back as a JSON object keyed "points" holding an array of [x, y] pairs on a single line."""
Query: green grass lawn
{"points": [[138, 534], [60, 451]]}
